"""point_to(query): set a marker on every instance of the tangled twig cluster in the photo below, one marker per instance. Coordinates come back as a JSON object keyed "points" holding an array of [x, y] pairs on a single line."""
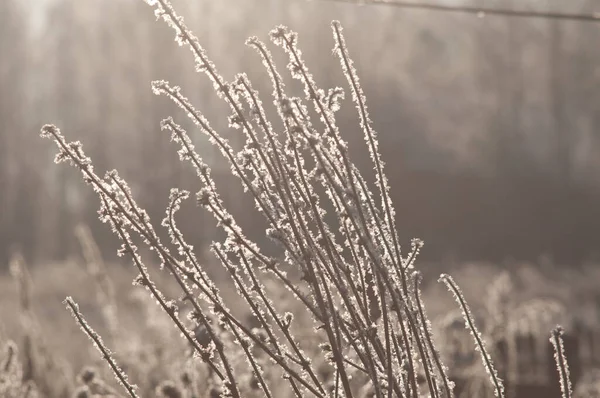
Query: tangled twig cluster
{"points": [[360, 289]]}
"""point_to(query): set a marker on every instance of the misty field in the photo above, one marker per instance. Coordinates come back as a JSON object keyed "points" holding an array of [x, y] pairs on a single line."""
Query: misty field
{"points": [[270, 253], [526, 301]]}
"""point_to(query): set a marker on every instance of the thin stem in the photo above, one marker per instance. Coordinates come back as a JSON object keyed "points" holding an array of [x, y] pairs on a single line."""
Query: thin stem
{"points": [[106, 354]]}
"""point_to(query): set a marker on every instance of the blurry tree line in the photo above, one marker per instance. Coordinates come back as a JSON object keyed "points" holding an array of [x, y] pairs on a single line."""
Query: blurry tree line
{"points": [[490, 126]]}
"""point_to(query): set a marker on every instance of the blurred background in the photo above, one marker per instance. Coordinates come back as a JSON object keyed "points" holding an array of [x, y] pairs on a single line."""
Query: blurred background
{"points": [[490, 126]]}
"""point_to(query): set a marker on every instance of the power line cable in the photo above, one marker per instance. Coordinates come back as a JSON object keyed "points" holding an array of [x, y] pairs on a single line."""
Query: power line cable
{"points": [[479, 11]]}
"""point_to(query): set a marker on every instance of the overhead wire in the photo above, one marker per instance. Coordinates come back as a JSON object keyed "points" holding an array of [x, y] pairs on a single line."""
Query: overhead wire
{"points": [[479, 11]]}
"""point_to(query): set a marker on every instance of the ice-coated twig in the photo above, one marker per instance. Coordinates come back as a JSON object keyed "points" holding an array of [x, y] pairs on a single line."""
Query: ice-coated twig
{"points": [[470, 325], [562, 366], [106, 354]]}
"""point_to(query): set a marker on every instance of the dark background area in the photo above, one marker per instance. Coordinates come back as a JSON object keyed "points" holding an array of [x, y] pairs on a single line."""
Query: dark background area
{"points": [[490, 127]]}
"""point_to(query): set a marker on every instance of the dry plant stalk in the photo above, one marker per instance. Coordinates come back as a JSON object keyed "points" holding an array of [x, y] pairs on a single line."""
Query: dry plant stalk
{"points": [[97, 340], [561, 362], [364, 293], [22, 277], [40, 371], [12, 384], [95, 266]]}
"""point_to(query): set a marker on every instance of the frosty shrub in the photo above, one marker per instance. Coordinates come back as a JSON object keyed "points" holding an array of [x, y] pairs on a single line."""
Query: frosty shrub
{"points": [[359, 288]]}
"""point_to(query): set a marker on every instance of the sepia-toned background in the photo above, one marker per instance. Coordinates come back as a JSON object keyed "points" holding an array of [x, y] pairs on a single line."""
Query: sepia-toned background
{"points": [[489, 127]]}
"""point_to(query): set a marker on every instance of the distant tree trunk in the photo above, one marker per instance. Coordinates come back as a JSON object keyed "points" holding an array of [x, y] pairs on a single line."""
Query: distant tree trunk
{"points": [[13, 47], [102, 55], [514, 101], [563, 147], [491, 67], [65, 109], [25, 214]]}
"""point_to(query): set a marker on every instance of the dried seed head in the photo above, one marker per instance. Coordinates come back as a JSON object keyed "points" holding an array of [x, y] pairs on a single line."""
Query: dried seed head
{"points": [[82, 392], [168, 389], [87, 375], [186, 379], [10, 358], [202, 336]]}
